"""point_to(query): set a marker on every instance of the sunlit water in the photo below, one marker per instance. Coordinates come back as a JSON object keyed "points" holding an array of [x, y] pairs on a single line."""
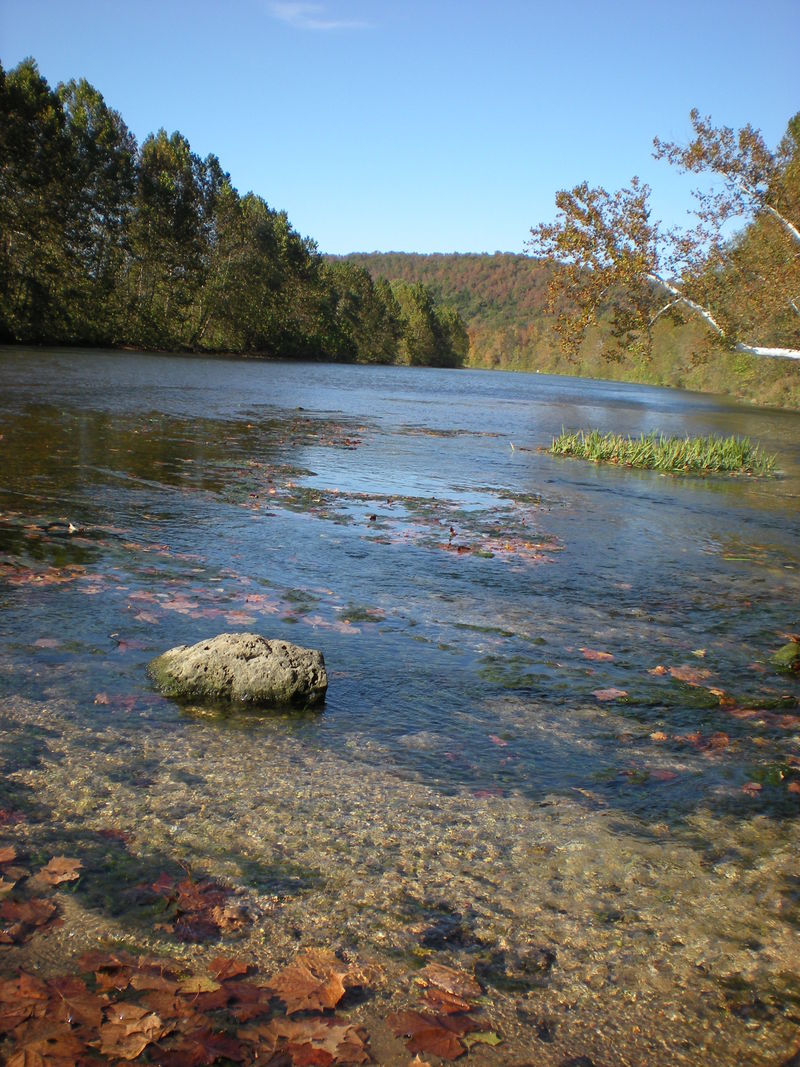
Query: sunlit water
{"points": [[552, 727]]}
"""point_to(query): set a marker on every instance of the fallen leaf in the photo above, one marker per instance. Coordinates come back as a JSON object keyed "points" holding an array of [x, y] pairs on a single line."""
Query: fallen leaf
{"points": [[445, 1003], [111, 833], [202, 908], [202, 1046], [609, 694], [457, 982], [592, 654], [60, 869], [238, 618], [436, 1034], [142, 594], [24, 917], [691, 675], [314, 981], [10, 818], [44, 1043], [482, 1037], [199, 983], [154, 983], [311, 1040], [127, 1034], [72, 1002], [223, 968], [658, 671], [25, 987], [715, 742]]}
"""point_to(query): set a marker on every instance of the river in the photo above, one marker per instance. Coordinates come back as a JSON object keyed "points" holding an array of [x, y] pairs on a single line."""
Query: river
{"points": [[553, 750]]}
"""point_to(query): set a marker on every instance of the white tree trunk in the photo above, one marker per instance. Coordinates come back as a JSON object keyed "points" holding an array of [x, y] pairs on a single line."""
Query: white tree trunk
{"points": [[773, 353], [790, 227], [708, 318]]}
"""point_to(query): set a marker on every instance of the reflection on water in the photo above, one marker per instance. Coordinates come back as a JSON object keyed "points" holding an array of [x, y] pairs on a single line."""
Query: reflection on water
{"points": [[552, 721]]}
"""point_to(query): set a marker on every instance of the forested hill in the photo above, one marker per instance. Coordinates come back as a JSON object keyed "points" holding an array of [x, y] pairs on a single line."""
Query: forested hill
{"points": [[501, 289], [502, 298]]}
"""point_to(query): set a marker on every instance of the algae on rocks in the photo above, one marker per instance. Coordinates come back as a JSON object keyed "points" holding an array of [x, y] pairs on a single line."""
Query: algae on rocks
{"points": [[788, 657], [245, 669]]}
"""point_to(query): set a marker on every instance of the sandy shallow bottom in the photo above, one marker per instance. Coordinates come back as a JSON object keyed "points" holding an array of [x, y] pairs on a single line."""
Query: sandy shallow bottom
{"points": [[594, 932]]}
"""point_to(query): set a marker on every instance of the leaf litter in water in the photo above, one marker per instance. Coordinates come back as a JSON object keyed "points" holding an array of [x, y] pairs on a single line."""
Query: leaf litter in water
{"points": [[21, 914], [609, 694], [201, 909], [596, 656], [140, 1006], [444, 1027], [60, 869], [314, 981]]}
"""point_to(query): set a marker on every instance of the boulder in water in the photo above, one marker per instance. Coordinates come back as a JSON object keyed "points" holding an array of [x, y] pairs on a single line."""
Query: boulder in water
{"points": [[242, 669]]}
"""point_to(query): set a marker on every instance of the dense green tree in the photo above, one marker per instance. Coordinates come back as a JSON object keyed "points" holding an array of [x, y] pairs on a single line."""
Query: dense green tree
{"points": [[34, 202], [453, 337], [431, 337], [101, 183], [167, 241], [365, 322], [101, 242], [419, 344]]}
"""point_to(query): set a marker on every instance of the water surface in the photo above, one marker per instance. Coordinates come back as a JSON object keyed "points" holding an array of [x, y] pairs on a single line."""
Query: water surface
{"points": [[552, 723]]}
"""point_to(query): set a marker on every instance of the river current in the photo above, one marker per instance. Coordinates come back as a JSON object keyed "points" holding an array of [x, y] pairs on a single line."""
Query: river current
{"points": [[554, 750]]}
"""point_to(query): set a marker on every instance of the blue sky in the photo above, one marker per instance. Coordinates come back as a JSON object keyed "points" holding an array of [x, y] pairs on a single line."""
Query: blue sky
{"points": [[426, 125]]}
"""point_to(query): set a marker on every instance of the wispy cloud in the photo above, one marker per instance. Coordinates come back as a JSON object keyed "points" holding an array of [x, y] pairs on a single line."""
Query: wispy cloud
{"points": [[312, 17]]}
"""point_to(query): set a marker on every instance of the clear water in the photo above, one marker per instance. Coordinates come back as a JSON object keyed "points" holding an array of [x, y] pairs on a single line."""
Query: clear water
{"points": [[461, 584]]}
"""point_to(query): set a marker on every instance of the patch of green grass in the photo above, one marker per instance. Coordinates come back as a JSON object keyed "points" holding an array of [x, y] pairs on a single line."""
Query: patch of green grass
{"points": [[673, 455]]}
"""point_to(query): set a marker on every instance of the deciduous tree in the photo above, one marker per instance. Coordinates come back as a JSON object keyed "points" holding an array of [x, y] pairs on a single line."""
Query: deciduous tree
{"points": [[614, 258]]}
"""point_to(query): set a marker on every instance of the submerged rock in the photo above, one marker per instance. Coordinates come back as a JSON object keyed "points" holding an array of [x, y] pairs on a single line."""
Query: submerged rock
{"points": [[242, 669], [788, 657]]}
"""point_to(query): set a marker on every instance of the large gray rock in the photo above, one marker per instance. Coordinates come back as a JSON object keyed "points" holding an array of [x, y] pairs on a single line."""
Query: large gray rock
{"points": [[242, 669]]}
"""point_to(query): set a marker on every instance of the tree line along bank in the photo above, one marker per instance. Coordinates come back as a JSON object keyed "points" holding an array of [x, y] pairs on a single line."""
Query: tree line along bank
{"points": [[109, 243]]}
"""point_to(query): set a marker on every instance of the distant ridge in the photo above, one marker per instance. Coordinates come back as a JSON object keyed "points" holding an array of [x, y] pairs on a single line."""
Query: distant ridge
{"points": [[502, 298], [499, 288]]}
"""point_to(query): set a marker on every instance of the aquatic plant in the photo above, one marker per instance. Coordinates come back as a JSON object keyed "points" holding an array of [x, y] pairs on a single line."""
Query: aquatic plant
{"points": [[655, 451]]}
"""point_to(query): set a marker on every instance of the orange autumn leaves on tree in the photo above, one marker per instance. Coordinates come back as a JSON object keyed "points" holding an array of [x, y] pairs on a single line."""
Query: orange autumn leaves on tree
{"points": [[612, 257]]}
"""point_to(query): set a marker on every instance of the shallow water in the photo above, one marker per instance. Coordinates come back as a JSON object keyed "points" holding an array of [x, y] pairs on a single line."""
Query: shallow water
{"points": [[466, 795]]}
